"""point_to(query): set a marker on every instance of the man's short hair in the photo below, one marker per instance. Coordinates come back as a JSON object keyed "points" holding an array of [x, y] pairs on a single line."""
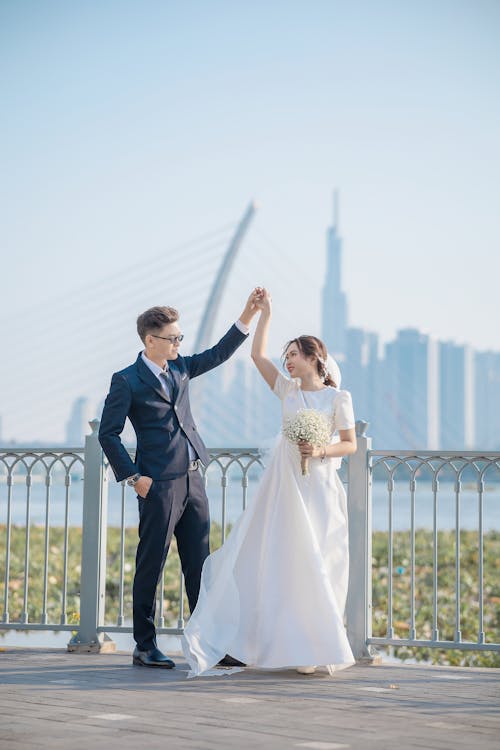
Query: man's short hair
{"points": [[154, 319]]}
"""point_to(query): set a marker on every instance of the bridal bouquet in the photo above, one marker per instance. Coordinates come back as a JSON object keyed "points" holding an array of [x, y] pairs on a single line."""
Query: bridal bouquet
{"points": [[308, 426]]}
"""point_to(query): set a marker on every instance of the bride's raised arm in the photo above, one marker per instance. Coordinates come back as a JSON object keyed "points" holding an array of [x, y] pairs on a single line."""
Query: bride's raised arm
{"points": [[267, 369]]}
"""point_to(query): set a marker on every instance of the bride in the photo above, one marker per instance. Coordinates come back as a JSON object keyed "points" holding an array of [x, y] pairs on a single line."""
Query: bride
{"points": [[273, 596]]}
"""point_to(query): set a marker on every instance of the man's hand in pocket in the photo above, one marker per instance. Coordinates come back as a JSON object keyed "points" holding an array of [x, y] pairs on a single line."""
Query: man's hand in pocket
{"points": [[142, 486]]}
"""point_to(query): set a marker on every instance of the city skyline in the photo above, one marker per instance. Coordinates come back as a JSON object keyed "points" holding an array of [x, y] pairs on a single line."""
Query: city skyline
{"points": [[416, 391]]}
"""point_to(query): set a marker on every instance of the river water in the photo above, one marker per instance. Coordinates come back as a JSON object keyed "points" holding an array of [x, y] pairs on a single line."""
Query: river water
{"points": [[401, 514]]}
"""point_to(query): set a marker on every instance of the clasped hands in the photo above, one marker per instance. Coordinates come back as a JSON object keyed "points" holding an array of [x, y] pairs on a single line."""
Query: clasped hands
{"points": [[259, 300]]}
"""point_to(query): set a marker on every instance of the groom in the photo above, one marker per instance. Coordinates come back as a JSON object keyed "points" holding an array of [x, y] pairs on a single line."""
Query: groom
{"points": [[154, 394]]}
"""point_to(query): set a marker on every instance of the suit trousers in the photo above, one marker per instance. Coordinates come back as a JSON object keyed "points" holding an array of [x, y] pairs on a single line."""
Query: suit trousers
{"points": [[173, 506]]}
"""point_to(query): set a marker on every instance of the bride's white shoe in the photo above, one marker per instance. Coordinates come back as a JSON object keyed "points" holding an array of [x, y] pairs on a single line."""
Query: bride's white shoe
{"points": [[306, 670]]}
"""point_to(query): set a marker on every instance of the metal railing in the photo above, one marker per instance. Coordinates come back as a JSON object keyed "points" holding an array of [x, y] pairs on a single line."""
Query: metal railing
{"points": [[406, 471], [83, 526], [36, 468]]}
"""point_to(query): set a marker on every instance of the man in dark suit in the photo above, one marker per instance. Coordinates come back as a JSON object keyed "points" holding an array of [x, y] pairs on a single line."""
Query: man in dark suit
{"points": [[154, 394]]}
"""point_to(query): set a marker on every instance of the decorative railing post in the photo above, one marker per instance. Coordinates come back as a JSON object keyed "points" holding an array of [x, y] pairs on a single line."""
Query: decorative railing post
{"points": [[94, 528], [359, 596]]}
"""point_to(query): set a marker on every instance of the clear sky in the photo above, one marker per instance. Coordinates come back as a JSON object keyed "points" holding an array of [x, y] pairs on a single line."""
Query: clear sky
{"points": [[129, 128]]}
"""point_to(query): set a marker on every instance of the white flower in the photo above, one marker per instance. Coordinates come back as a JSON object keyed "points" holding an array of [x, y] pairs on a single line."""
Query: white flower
{"points": [[310, 426]]}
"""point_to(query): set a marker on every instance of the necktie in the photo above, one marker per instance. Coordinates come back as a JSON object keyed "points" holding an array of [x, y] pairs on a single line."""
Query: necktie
{"points": [[168, 381]]}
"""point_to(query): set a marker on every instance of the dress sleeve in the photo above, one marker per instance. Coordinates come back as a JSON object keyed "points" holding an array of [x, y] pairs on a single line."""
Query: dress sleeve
{"points": [[283, 386], [343, 411]]}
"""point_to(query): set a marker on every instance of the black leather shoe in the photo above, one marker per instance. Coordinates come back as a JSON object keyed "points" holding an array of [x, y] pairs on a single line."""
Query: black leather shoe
{"points": [[151, 658], [230, 661]]}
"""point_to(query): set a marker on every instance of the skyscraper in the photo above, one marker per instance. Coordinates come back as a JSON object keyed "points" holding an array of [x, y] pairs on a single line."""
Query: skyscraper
{"points": [[358, 370], [487, 423], [456, 394], [334, 308], [77, 425], [412, 389]]}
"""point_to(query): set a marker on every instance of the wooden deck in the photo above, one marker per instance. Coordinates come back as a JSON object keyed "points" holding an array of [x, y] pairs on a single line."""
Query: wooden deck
{"points": [[51, 699]]}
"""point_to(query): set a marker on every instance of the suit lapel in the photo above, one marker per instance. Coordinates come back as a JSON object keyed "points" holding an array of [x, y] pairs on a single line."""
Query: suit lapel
{"points": [[150, 379]]}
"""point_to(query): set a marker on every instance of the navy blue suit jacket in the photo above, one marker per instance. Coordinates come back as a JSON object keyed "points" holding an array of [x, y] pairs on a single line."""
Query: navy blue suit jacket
{"points": [[163, 426]]}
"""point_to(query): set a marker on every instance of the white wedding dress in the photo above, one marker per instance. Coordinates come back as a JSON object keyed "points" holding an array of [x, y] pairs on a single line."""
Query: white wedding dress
{"points": [[273, 595]]}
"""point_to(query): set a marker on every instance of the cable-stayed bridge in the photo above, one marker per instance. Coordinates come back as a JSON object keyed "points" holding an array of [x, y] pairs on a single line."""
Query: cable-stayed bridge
{"points": [[69, 346]]}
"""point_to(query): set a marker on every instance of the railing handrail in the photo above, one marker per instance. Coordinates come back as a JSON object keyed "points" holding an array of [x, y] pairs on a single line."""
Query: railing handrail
{"points": [[445, 454], [7, 449]]}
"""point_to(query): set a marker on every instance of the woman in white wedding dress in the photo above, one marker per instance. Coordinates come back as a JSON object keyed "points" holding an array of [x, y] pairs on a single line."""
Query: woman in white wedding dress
{"points": [[273, 595]]}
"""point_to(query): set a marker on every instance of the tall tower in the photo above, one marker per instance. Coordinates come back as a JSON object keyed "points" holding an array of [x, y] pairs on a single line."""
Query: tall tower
{"points": [[78, 422], [334, 300], [411, 390], [487, 395], [456, 394]]}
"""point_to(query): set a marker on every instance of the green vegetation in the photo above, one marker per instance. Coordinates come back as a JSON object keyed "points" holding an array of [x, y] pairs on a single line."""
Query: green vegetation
{"points": [[469, 607], [469, 593]]}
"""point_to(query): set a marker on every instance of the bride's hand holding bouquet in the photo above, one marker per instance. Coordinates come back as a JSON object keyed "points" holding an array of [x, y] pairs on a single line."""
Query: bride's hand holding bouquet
{"points": [[311, 431]]}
